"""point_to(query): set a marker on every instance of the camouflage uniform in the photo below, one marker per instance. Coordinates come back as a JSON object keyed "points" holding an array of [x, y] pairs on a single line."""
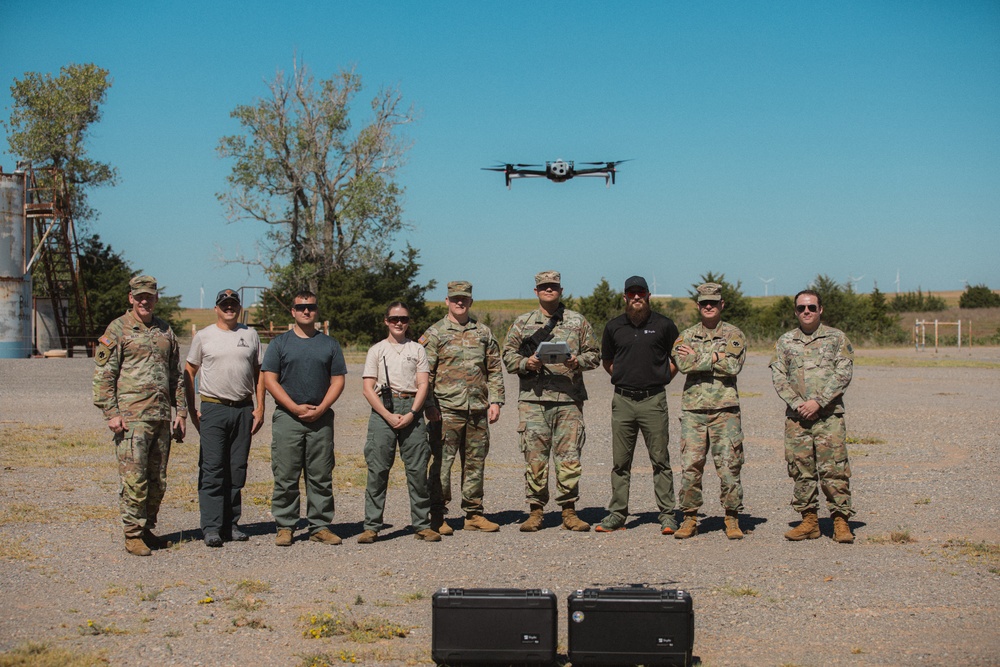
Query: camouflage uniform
{"points": [[465, 378], [710, 417], [818, 367], [139, 378], [550, 405]]}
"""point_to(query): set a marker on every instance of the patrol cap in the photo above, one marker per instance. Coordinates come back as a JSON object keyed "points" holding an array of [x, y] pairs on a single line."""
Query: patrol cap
{"points": [[636, 281], [709, 292], [143, 285], [460, 288], [546, 277], [227, 295]]}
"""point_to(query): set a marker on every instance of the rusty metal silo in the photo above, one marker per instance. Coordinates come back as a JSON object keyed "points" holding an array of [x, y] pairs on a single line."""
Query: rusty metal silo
{"points": [[15, 283]]}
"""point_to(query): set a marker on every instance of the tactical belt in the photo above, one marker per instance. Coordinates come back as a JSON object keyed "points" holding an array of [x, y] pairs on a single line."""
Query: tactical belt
{"points": [[639, 394], [224, 401]]}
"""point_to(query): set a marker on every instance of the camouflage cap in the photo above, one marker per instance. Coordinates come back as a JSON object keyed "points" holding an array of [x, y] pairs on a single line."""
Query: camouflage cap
{"points": [[709, 292], [143, 285], [460, 288], [227, 295], [546, 277]]}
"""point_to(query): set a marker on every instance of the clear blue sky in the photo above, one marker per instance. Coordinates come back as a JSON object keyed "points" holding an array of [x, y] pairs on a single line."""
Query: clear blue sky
{"points": [[770, 139]]}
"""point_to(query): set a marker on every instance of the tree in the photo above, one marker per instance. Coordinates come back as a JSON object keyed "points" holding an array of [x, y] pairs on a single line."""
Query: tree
{"points": [[354, 299], [105, 278], [602, 305], [327, 193], [978, 296], [50, 121]]}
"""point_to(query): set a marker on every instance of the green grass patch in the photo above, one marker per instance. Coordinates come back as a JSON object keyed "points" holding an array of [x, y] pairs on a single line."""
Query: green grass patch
{"points": [[328, 659], [981, 553], [738, 591], [95, 628], [864, 440], [34, 654]]}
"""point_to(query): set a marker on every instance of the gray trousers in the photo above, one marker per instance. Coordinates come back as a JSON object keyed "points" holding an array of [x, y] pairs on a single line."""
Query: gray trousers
{"points": [[222, 464], [298, 447]]}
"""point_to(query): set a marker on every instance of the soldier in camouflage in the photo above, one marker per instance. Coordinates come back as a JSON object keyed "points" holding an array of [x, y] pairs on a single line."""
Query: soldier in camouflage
{"points": [[466, 382], [550, 400], [811, 368], [711, 355], [137, 381]]}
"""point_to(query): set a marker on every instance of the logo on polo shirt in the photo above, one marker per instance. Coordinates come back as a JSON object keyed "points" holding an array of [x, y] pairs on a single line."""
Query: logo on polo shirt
{"points": [[242, 343]]}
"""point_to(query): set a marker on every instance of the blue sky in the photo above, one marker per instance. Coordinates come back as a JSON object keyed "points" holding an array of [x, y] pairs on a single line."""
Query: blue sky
{"points": [[770, 140]]}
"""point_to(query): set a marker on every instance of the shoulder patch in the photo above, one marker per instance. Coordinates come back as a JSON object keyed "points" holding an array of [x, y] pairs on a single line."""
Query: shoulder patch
{"points": [[107, 341], [103, 353], [422, 340], [734, 347]]}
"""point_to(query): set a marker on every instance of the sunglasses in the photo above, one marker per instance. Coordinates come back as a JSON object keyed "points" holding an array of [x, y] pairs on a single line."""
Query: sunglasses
{"points": [[398, 319], [633, 293], [305, 307], [811, 307], [708, 304]]}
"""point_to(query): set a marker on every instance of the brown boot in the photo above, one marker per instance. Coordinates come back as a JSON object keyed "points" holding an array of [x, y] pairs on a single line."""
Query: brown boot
{"points": [[428, 535], [534, 521], [571, 521], [284, 537], [367, 537], [136, 547], [807, 530], [479, 522], [842, 530], [689, 527], [733, 531], [325, 536], [439, 525]]}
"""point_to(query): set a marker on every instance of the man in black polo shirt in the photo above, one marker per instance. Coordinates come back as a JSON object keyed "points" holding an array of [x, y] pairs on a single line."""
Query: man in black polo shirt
{"points": [[636, 353]]}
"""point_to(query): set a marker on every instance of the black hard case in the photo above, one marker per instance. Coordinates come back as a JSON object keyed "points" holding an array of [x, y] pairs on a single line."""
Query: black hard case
{"points": [[493, 625], [630, 626]]}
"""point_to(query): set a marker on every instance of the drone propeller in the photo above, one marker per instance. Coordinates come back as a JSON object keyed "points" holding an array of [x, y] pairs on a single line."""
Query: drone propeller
{"points": [[609, 163]]}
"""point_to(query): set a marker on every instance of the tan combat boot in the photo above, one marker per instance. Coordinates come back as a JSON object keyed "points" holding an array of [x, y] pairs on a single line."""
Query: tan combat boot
{"points": [[479, 522], [325, 536], [367, 537], [842, 530], [570, 521], [807, 530], [136, 547], [439, 525], [534, 521], [689, 527], [733, 531], [428, 535], [284, 537]]}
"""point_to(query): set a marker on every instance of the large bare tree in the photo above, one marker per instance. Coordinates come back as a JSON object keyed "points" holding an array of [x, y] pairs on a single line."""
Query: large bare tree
{"points": [[326, 190]]}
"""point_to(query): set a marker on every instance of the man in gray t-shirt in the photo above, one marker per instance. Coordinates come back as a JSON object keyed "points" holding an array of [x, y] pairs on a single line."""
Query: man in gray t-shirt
{"points": [[304, 372], [228, 356]]}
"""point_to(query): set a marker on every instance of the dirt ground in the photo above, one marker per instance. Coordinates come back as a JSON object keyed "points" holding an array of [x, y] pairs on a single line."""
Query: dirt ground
{"points": [[920, 586]]}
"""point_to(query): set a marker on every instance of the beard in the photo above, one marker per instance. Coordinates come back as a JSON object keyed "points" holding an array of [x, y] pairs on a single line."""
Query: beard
{"points": [[637, 312]]}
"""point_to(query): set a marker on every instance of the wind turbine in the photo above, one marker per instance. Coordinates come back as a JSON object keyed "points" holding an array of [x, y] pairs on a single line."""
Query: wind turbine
{"points": [[897, 281], [853, 282], [766, 281]]}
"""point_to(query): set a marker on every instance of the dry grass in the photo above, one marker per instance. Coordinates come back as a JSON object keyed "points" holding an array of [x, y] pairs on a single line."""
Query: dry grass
{"points": [[42, 655], [898, 536], [343, 623], [738, 591], [49, 446], [923, 362], [980, 553], [13, 549]]}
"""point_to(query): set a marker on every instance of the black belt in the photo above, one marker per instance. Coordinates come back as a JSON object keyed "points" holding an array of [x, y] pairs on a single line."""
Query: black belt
{"points": [[225, 401], [639, 394]]}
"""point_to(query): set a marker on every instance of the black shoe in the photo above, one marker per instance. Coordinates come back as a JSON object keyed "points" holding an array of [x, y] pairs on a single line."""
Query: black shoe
{"points": [[237, 535], [212, 539]]}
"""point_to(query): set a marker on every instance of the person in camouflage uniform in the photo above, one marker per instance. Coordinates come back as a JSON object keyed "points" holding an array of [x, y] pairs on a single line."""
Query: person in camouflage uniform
{"points": [[466, 381], [811, 368], [138, 379], [711, 355], [550, 400]]}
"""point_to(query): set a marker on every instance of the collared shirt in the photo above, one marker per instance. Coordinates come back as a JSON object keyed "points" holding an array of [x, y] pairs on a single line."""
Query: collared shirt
{"points": [[708, 385], [558, 384], [816, 366], [641, 354], [465, 368], [138, 374]]}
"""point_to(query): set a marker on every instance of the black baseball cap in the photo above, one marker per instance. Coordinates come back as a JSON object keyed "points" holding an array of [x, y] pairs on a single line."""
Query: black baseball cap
{"points": [[636, 281]]}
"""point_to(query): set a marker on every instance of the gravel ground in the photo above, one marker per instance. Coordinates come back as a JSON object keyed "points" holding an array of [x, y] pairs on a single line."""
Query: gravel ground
{"points": [[929, 441]]}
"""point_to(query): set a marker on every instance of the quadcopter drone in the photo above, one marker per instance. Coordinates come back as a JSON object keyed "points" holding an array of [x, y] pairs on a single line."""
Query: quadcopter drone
{"points": [[559, 171]]}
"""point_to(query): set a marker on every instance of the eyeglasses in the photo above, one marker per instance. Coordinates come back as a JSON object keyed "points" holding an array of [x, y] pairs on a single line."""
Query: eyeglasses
{"points": [[633, 293], [398, 319], [305, 307], [811, 307]]}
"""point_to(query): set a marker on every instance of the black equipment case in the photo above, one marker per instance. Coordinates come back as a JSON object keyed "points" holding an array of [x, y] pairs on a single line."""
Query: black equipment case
{"points": [[493, 625], [630, 626]]}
